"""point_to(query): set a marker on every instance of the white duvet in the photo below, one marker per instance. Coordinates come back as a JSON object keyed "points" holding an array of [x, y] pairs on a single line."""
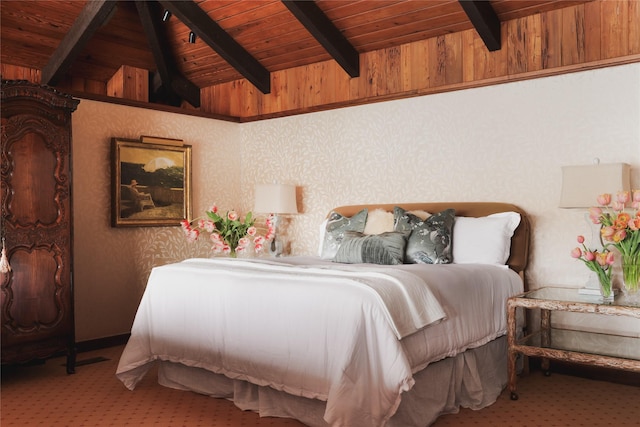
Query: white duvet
{"points": [[304, 327]]}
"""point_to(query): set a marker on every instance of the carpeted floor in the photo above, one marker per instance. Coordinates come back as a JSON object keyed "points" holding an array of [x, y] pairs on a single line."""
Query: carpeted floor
{"points": [[44, 395]]}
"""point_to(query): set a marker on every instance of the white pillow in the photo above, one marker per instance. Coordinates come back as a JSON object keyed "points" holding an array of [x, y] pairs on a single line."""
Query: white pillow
{"points": [[379, 221], [323, 230], [485, 240]]}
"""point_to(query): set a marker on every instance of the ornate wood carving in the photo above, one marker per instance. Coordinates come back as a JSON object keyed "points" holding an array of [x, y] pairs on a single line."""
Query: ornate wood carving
{"points": [[36, 295]]}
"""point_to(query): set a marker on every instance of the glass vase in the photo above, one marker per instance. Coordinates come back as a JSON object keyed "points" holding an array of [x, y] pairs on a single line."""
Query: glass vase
{"points": [[606, 290], [631, 277]]}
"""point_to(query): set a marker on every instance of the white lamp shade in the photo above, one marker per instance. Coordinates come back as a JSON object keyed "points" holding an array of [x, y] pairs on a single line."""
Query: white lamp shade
{"points": [[581, 185], [276, 199]]}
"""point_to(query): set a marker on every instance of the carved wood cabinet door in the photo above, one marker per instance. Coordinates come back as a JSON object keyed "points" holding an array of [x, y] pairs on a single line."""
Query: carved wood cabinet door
{"points": [[37, 294]]}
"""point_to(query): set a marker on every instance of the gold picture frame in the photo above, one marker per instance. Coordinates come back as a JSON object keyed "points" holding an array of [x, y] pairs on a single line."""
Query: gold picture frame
{"points": [[150, 183]]}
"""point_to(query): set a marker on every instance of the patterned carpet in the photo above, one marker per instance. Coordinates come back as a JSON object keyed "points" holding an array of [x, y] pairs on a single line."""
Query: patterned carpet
{"points": [[44, 395]]}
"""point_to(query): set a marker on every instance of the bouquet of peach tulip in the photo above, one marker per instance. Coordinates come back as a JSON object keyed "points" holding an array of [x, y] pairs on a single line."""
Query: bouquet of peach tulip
{"points": [[598, 262], [620, 228], [229, 234]]}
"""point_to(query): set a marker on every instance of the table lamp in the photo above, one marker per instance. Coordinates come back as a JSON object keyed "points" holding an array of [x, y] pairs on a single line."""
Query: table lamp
{"points": [[276, 199], [581, 185]]}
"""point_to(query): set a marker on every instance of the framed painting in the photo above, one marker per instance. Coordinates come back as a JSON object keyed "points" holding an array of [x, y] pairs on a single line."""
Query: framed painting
{"points": [[150, 183]]}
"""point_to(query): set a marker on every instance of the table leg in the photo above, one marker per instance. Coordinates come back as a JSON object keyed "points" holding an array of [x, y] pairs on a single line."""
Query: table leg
{"points": [[511, 354], [545, 330]]}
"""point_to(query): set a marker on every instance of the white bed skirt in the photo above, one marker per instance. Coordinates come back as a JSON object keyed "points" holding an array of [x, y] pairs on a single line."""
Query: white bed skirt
{"points": [[473, 379]]}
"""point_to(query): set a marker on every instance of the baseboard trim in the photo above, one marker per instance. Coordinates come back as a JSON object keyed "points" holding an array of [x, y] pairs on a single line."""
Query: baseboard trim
{"points": [[101, 343]]}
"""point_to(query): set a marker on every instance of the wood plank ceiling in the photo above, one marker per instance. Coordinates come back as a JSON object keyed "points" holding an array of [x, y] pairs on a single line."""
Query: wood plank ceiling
{"points": [[91, 40]]}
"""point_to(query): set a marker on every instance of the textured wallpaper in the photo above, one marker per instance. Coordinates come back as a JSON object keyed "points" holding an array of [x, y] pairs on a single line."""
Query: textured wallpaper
{"points": [[501, 143]]}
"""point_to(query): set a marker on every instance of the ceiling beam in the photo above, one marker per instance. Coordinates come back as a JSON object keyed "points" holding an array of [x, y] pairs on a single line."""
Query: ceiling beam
{"points": [[485, 20], [169, 75], [218, 39], [326, 33], [93, 15]]}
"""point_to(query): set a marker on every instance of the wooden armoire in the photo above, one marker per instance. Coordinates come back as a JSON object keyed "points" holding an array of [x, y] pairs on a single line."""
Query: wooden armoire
{"points": [[36, 223]]}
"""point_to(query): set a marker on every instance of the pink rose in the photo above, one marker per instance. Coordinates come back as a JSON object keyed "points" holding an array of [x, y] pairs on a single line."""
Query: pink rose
{"points": [[215, 237], [232, 215], [259, 240], [214, 208], [604, 199], [243, 241], [251, 231], [241, 249], [258, 247]]}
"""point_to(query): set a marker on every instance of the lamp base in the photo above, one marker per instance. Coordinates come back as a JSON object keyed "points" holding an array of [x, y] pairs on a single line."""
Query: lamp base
{"points": [[275, 248]]}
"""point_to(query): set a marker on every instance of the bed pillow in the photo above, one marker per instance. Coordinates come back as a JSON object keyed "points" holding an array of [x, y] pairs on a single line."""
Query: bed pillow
{"points": [[485, 240], [337, 225], [430, 239], [379, 221], [384, 248]]}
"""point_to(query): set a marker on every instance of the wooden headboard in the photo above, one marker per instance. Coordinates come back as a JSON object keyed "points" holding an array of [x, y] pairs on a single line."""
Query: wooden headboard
{"points": [[519, 242]]}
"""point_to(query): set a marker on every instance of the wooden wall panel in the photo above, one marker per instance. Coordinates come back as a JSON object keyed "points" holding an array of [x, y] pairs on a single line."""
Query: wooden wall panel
{"points": [[590, 35], [12, 72], [129, 83]]}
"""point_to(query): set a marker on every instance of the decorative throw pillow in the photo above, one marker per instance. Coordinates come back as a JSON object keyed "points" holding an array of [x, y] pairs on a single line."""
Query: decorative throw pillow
{"points": [[485, 240], [430, 239], [337, 225], [379, 221], [385, 248]]}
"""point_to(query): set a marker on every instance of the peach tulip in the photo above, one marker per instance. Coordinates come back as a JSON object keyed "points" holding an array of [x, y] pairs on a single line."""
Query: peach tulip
{"points": [[623, 197], [595, 214], [604, 199], [636, 195], [607, 232]]}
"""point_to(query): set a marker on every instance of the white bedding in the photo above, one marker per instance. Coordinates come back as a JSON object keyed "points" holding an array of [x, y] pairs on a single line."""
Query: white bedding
{"points": [[326, 337]]}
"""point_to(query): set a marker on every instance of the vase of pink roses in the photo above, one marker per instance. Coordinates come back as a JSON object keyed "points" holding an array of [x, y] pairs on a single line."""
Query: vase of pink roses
{"points": [[620, 228], [229, 233], [600, 262]]}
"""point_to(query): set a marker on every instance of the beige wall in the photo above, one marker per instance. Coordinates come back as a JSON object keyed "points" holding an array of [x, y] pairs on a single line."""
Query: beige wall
{"points": [[504, 143]]}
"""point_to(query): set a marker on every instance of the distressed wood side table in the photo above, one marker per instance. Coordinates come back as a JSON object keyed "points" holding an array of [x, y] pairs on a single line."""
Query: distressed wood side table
{"points": [[597, 349]]}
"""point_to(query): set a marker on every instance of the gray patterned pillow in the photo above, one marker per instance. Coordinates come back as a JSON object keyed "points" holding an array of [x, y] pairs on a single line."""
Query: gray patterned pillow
{"points": [[430, 240], [337, 225], [384, 248]]}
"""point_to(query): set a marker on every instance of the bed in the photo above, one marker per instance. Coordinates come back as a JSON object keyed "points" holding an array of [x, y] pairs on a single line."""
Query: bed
{"points": [[349, 343]]}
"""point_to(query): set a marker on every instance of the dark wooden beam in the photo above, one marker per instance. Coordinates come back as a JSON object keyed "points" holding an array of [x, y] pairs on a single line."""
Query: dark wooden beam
{"points": [[93, 15], [218, 39], [167, 70], [485, 20], [326, 33]]}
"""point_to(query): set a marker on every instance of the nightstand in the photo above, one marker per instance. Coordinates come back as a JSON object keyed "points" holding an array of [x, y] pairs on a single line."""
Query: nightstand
{"points": [[598, 349]]}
